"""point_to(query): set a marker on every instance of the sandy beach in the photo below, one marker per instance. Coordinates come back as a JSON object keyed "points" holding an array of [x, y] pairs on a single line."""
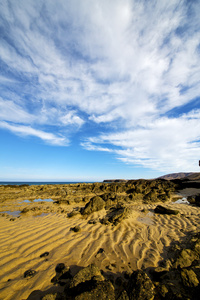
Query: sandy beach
{"points": [[140, 241]]}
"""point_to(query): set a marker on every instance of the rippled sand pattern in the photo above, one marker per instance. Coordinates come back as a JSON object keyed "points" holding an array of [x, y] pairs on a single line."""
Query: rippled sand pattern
{"points": [[141, 241]]}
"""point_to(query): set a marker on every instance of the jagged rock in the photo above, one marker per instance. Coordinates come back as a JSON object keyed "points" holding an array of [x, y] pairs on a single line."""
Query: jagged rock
{"points": [[140, 286], [163, 210], [96, 203], [29, 273]]}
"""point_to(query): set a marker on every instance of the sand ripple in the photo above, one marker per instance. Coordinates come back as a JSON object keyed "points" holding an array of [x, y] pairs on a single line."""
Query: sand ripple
{"points": [[138, 242]]}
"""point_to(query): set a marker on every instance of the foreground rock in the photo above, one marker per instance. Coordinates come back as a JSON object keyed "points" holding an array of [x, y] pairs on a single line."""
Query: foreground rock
{"points": [[140, 286], [165, 211], [89, 284], [181, 280]]}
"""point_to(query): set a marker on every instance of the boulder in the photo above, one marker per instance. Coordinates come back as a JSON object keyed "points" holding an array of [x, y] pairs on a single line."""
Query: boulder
{"points": [[140, 286], [96, 203]]}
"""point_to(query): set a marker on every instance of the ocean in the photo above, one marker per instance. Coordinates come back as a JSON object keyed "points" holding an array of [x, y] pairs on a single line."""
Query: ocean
{"points": [[39, 182]]}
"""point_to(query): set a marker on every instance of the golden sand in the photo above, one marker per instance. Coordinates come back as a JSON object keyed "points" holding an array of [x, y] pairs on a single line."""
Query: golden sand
{"points": [[140, 241]]}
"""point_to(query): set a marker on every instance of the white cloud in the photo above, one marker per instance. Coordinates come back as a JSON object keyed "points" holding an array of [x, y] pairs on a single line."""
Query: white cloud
{"points": [[10, 111], [71, 118], [164, 145], [28, 131]]}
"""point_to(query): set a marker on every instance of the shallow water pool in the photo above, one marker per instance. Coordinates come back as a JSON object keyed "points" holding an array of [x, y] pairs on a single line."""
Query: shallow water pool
{"points": [[15, 213], [37, 200]]}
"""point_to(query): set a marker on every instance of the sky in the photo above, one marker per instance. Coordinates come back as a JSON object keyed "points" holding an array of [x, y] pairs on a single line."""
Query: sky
{"points": [[98, 89]]}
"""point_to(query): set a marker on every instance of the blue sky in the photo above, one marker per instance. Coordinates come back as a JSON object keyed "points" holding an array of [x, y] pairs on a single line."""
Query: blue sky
{"points": [[99, 89]]}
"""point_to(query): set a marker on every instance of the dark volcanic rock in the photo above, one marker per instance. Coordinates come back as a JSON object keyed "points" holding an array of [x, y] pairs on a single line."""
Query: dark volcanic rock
{"points": [[163, 210], [140, 286], [89, 284], [96, 203]]}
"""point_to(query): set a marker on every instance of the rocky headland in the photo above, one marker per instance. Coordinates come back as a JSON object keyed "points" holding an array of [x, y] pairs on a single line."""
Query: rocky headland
{"points": [[124, 239]]}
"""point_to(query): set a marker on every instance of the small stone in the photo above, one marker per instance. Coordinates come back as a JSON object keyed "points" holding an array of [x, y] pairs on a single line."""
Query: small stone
{"points": [[29, 273], [44, 254], [75, 229]]}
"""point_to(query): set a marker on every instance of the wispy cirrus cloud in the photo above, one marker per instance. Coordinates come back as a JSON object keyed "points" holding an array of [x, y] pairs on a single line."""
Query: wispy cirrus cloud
{"points": [[25, 131], [120, 68]]}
